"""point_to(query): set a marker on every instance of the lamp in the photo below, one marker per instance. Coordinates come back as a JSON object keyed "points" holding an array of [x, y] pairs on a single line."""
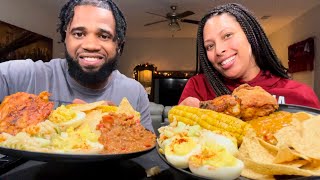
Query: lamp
{"points": [[144, 74], [145, 77], [174, 25]]}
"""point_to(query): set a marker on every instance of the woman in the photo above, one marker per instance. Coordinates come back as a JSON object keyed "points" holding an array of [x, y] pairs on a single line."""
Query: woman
{"points": [[233, 49]]}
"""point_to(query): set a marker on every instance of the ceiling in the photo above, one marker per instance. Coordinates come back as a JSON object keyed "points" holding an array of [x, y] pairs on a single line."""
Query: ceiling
{"points": [[282, 12]]}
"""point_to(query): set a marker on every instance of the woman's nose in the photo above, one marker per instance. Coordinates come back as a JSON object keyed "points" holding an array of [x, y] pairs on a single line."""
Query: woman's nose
{"points": [[220, 49]]}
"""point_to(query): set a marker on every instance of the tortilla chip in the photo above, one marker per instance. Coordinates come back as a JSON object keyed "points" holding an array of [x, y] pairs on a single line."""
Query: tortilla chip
{"points": [[126, 108], [276, 169], [296, 163], [272, 148], [92, 119], [314, 165], [85, 107], [311, 138], [301, 116], [249, 173], [285, 154], [254, 150]]}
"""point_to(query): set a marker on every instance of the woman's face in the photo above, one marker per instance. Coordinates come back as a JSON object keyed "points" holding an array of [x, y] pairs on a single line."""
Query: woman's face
{"points": [[228, 48]]}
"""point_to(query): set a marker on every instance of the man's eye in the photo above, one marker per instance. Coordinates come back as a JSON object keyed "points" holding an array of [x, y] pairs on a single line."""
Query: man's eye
{"points": [[105, 36], [78, 34]]}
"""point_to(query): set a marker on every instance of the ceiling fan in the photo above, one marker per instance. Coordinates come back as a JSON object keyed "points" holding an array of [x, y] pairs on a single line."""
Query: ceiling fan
{"points": [[173, 17]]}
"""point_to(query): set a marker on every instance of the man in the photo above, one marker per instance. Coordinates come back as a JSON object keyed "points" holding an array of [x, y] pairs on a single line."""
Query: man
{"points": [[93, 32]]}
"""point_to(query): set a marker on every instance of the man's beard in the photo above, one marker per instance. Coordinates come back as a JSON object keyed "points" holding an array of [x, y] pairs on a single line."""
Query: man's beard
{"points": [[91, 78]]}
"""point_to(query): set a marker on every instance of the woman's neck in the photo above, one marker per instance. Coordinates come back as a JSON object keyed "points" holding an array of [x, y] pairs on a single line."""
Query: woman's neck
{"points": [[251, 74]]}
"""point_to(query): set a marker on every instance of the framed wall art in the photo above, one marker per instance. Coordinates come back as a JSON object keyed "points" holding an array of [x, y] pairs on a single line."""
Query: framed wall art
{"points": [[18, 43], [301, 56]]}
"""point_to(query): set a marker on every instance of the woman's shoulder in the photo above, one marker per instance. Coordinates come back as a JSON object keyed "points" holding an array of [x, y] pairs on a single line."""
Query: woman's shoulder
{"points": [[293, 84], [198, 78]]}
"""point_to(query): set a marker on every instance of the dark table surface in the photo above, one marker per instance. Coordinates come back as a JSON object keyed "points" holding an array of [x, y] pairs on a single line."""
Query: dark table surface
{"points": [[110, 169]]}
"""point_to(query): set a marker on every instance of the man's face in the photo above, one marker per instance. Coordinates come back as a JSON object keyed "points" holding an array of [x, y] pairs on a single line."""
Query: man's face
{"points": [[91, 48]]}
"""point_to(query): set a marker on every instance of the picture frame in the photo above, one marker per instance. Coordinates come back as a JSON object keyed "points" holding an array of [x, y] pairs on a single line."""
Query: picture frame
{"points": [[19, 43]]}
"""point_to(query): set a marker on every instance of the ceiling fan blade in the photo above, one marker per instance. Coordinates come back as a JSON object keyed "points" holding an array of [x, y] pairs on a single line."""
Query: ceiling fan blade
{"points": [[148, 24], [190, 21], [184, 14], [156, 14]]}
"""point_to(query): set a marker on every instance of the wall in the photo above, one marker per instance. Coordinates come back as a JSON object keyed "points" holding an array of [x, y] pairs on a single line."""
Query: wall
{"points": [[301, 28], [33, 16], [166, 54]]}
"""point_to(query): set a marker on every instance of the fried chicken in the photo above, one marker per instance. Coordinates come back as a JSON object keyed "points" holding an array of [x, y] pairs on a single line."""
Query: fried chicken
{"points": [[245, 102], [255, 101], [21, 110], [226, 104]]}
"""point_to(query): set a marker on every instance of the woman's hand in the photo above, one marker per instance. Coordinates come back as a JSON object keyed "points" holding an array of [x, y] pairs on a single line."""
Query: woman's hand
{"points": [[80, 101], [191, 101]]}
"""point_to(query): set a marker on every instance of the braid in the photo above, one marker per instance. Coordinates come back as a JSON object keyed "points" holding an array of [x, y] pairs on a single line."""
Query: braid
{"points": [[67, 13], [206, 67], [264, 54], [262, 50]]}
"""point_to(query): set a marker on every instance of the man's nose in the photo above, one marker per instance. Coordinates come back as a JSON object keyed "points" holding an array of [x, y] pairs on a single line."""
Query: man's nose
{"points": [[91, 43]]}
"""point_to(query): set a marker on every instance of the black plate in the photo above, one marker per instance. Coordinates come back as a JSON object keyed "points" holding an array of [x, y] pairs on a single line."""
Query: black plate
{"points": [[282, 107], [297, 108], [68, 157]]}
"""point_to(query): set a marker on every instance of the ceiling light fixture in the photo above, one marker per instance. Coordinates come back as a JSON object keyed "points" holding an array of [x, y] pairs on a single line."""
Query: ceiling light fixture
{"points": [[174, 25], [265, 17]]}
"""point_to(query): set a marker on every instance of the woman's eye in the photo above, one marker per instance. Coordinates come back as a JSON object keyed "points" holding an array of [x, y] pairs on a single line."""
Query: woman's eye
{"points": [[228, 35], [209, 47]]}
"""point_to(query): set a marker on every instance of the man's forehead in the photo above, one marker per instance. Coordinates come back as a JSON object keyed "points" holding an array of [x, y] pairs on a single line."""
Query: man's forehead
{"points": [[86, 15]]}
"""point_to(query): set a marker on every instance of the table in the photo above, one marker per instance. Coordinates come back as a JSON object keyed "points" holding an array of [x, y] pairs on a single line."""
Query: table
{"points": [[116, 169]]}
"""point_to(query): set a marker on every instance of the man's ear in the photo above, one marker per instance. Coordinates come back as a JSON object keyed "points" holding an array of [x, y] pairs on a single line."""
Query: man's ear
{"points": [[120, 47]]}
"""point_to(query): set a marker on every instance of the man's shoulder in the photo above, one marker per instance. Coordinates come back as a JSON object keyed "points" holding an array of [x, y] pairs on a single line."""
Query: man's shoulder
{"points": [[125, 79]]}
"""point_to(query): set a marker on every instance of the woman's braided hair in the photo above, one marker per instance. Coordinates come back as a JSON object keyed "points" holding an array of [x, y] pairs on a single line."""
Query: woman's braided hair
{"points": [[264, 54], [67, 13]]}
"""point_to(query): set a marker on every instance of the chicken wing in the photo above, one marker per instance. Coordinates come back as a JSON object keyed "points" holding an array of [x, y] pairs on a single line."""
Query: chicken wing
{"points": [[226, 104]]}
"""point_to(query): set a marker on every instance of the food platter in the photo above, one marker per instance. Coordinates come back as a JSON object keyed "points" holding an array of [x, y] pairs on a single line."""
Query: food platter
{"points": [[282, 107], [297, 108], [65, 157], [87, 132]]}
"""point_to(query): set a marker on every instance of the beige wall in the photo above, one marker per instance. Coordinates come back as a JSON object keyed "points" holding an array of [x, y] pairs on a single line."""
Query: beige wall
{"points": [[300, 29], [167, 54]]}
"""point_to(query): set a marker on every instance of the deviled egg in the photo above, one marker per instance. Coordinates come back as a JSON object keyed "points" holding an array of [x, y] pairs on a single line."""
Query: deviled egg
{"points": [[179, 150], [65, 117], [215, 162]]}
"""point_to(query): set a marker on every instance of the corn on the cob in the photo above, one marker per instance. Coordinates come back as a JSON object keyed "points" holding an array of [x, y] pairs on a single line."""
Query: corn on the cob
{"points": [[209, 119]]}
